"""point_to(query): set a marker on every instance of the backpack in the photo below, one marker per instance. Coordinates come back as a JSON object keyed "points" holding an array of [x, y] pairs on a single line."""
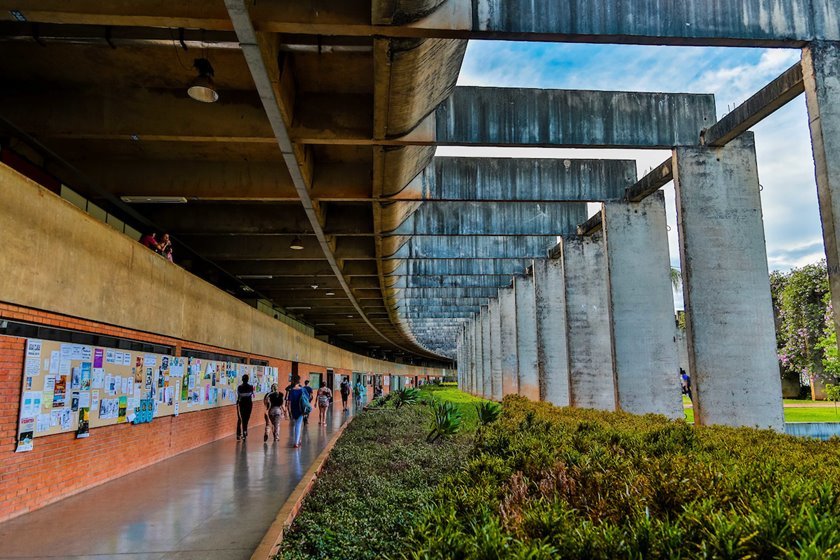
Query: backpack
{"points": [[305, 407]]}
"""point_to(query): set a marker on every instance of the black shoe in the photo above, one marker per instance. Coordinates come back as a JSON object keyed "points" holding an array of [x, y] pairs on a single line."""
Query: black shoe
{"points": [[265, 437]]}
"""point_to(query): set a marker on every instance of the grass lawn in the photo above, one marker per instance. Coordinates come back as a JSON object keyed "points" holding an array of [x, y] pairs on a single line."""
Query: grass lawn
{"points": [[796, 414], [465, 401]]}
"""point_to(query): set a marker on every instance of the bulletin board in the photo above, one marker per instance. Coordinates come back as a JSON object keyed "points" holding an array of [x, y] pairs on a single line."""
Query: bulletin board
{"points": [[75, 387]]}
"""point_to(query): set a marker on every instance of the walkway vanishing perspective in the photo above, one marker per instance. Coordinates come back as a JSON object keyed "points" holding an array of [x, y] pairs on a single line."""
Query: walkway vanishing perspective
{"points": [[215, 501]]}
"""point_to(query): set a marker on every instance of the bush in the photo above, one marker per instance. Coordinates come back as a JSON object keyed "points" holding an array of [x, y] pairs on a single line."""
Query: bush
{"points": [[374, 486], [447, 420], [546, 482]]}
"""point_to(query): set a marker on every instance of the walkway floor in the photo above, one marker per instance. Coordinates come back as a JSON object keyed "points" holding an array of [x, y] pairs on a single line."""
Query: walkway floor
{"points": [[215, 502]]}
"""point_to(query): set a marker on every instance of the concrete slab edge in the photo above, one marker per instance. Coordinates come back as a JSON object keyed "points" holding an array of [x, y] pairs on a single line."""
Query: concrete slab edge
{"points": [[287, 514]]}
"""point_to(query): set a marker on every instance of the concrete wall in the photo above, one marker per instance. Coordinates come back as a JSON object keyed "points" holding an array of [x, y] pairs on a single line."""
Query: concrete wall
{"points": [[57, 258], [510, 367], [526, 338], [550, 293]]}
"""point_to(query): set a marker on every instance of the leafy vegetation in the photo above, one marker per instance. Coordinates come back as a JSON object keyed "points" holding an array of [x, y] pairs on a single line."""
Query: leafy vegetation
{"points": [[546, 482], [409, 395], [374, 486], [447, 420]]}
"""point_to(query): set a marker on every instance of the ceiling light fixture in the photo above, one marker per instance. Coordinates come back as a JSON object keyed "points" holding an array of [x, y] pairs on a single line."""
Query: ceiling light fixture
{"points": [[296, 244], [330, 293], [255, 276], [298, 307], [314, 286], [154, 199], [202, 87]]}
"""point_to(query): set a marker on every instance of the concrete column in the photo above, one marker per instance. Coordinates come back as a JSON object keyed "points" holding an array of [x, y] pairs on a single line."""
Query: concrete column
{"points": [[821, 73], [552, 352], [589, 335], [495, 350], [471, 356], [526, 337], [510, 367], [479, 360], [644, 332], [486, 366], [729, 314]]}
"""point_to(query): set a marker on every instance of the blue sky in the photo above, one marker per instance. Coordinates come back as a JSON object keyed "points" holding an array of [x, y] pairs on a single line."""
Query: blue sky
{"points": [[785, 163]]}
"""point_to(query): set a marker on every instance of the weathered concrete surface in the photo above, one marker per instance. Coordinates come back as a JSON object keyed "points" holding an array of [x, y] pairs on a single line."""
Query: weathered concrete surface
{"points": [[55, 246], [504, 179], [486, 362], [821, 71], [591, 365], [475, 246], [436, 267], [489, 218], [510, 361], [644, 346], [535, 117], [730, 326], [675, 22], [478, 345], [553, 355], [526, 338], [496, 349]]}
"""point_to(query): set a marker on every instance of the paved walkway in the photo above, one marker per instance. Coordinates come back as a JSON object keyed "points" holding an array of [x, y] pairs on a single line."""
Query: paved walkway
{"points": [[215, 502]]}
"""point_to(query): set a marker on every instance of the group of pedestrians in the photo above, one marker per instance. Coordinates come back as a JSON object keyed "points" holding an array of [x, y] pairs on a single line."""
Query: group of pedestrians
{"points": [[162, 246], [295, 403]]}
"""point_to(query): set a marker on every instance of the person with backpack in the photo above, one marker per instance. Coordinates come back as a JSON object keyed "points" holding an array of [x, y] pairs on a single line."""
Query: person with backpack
{"points": [[309, 393], [274, 412], [345, 392], [298, 406], [359, 393]]}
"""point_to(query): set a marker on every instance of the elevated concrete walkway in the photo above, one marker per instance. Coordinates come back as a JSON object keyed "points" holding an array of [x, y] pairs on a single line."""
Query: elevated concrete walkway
{"points": [[216, 501]]}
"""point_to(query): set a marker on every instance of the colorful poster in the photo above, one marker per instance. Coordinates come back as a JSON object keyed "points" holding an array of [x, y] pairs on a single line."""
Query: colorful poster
{"points": [[76, 378], [123, 408], [85, 377], [74, 401], [26, 435], [98, 355], [60, 392], [83, 430]]}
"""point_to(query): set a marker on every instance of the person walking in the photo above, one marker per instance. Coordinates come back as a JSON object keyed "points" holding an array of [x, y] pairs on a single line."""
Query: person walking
{"points": [[359, 393], [244, 405], [685, 382], [309, 392], [274, 412], [345, 391], [324, 399], [298, 406]]}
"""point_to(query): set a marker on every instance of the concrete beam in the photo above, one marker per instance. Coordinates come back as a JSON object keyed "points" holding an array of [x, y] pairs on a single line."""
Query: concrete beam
{"points": [[526, 338], [447, 281], [553, 353], [591, 364], [821, 69], [475, 246], [692, 22], [507, 342], [729, 314], [642, 307], [768, 100], [460, 267], [496, 349], [536, 117], [488, 218], [506, 179], [657, 178]]}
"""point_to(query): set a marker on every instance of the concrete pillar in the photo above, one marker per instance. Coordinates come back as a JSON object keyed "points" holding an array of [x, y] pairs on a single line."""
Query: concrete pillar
{"points": [[821, 73], [729, 314], [526, 338], [552, 352], [589, 334], [644, 332], [479, 360], [495, 350], [507, 316], [486, 371], [471, 356]]}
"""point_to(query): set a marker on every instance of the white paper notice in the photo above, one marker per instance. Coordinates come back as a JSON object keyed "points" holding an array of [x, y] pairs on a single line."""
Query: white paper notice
{"points": [[150, 360], [109, 356], [55, 359], [84, 399], [87, 353], [94, 400], [126, 359], [75, 351], [42, 423]]}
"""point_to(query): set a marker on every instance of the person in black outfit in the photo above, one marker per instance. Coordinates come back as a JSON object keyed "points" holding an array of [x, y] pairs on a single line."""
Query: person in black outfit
{"points": [[273, 412], [309, 392], [244, 404]]}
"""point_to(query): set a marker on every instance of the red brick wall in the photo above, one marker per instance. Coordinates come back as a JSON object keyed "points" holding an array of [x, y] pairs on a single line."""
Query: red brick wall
{"points": [[61, 465]]}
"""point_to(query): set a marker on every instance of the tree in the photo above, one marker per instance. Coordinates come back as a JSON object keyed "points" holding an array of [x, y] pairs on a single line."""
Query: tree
{"points": [[800, 300]]}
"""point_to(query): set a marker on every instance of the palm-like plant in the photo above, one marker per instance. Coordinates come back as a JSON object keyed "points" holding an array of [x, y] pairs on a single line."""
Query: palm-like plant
{"points": [[408, 395], [447, 420], [488, 412]]}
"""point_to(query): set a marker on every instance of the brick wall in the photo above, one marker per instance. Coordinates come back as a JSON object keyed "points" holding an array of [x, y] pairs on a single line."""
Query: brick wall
{"points": [[61, 465]]}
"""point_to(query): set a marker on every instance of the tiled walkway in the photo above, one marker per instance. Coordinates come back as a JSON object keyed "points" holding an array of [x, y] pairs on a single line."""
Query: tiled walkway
{"points": [[214, 502]]}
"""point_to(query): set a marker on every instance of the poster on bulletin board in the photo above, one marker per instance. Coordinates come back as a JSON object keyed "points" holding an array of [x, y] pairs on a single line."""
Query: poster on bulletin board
{"points": [[78, 388]]}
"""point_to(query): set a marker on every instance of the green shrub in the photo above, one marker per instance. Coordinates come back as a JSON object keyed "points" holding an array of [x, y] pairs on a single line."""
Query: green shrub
{"points": [[546, 482], [409, 395], [447, 420]]}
